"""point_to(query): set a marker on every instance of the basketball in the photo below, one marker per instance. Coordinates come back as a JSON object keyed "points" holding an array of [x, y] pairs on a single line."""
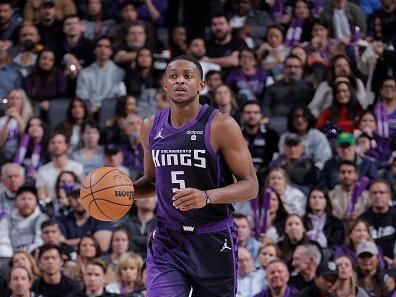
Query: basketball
{"points": [[107, 193]]}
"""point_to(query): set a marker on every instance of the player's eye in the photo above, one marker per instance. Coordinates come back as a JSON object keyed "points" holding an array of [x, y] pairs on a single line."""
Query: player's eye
{"points": [[173, 76], [188, 76]]}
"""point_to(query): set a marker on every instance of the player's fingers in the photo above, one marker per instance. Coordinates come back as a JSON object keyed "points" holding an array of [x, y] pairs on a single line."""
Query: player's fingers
{"points": [[181, 193], [181, 200], [188, 206]]}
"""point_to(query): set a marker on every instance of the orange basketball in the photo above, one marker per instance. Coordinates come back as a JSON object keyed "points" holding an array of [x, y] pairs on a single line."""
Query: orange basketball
{"points": [[107, 193]]}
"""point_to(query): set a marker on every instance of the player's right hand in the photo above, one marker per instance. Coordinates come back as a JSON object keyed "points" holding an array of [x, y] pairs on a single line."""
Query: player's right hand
{"points": [[189, 198]]}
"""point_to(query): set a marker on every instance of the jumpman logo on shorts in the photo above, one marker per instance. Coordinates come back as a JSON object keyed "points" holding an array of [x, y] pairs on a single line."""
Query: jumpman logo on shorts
{"points": [[225, 246], [159, 135]]}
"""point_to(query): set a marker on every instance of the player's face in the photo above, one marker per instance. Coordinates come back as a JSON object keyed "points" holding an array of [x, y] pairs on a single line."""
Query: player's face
{"points": [[277, 275], [182, 82]]}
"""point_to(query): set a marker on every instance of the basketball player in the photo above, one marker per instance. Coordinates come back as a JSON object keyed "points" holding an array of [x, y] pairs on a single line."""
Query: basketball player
{"points": [[193, 153]]}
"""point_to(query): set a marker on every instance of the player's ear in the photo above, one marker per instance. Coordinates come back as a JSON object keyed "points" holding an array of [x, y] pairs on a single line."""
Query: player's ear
{"points": [[163, 84], [202, 85]]}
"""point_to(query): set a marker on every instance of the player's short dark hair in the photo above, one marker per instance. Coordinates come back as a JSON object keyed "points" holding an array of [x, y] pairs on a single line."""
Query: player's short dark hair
{"points": [[48, 223], [46, 247], [347, 163], [251, 102], [189, 59]]}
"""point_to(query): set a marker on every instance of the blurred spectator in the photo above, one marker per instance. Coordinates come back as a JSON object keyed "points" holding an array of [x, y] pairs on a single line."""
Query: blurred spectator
{"points": [[48, 173], [245, 238], [346, 150], [63, 8], [249, 280], [340, 67], [25, 220], [13, 123], [224, 100], [385, 13], [45, 83], [277, 280], [267, 253], [119, 245], [293, 199], [9, 24], [261, 140], [10, 76], [223, 49], [95, 26], [20, 282], [114, 157], [247, 81], [77, 113], [212, 79], [390, 175], [79, 223], [284, 95], [124, 107], [300, 26], [132, 149], [385, 109], [53, 283], [345, 109], [153, 11], [178, 42], [273, 53], [49, 27], [161, 101], [300, 168], [70, 269], [370, 275], [323, 227], [103, 78], [277, 218], [346, 284], [12, 178], [345, 19], [325, 277], [25, 52], [306, 259], [316, 146], [344, 205], [88, 249], [91, 154], [140, 225], [381, 217], [26, 260], [129, 16], [128, 280]]}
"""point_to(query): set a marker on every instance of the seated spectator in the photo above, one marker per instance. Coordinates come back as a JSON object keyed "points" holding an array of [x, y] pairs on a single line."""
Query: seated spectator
{"points": [[9, 25], [153, 11], [306, 259], [95, 25], [346, 283], [45, 83], [88, 249], [10, 76], [119, 245], [316, 145], [346, 150], [128, 274], [178, 41], [284, 95], [225, 101], [25, 220], [53, 283], [294, 236], [370, 275], [249, 280], [340, 66], [114, 157], [79, 223], [128, 17], [26, 260], [20, 282], [140, 225], [273, 53], [248, 82], [293, 199], [124, 107], [385, 110], [48, 173], [300, 26], [267, 253], [50, 28], [13, 123], [390, 176], [63, 8], [345, 110], [77, 113], [213, 80], [12, 178], [32, 153], [381, 218], [346, 207], [102, 79], [91, 154], [300, 169], [277, 279], [325, 277], [277, 218], [323, 227], [70, 269]]}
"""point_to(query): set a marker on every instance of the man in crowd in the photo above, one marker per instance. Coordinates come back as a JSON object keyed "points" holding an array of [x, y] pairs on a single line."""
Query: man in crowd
{"points": [[249, 280], [49, 27], [9, 25], [12, 178], [245, 239]]}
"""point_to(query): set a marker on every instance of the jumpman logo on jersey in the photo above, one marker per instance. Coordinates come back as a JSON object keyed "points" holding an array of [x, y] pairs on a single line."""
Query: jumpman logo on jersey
{"points": [[159, 135], [225, 246]]}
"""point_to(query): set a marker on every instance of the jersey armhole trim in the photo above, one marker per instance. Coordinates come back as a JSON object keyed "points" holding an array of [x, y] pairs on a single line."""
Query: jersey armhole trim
{"points": [[207, 135]]}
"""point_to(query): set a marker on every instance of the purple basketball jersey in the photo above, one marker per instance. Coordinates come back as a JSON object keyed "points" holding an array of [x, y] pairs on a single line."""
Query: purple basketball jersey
{"points": [[184, 158]]}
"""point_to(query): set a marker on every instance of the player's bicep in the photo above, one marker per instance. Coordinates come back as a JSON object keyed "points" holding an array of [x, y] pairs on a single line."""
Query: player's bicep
{"points": [[149, 170]]}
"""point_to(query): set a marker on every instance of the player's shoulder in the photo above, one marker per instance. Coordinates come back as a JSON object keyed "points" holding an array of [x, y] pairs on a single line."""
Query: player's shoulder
{"points": [[224, 121]]}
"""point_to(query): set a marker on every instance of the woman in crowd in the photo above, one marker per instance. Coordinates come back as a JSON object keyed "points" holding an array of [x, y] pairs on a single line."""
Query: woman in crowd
{"points": [[26, 260], [323, 227], [128, 274], [45, 83], [267, 253], [225, 101], [345, 111], [88, 249], [13, 123], [293, 199], [76, 114], [95, 26], [277, 217], [178, 41], [300, 26]]}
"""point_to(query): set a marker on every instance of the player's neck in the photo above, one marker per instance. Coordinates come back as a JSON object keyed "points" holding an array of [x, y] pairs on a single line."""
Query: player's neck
{"points": [[181, 115]]}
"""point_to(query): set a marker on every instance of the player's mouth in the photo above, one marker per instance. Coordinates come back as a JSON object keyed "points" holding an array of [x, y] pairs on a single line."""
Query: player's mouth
{"points": [[180, 90]]}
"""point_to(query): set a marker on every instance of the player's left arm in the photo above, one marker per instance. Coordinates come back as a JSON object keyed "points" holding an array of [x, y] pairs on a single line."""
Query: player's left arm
{"points": [[226, 138]]}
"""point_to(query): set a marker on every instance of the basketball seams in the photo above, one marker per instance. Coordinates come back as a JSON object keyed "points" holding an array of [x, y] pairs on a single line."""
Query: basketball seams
{"points": [[103, 189], [109, 201], [93, 197], [90, 179]]}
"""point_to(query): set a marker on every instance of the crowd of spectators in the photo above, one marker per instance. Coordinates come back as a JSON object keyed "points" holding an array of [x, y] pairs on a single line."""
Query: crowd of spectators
{"points": [[312, 84]]}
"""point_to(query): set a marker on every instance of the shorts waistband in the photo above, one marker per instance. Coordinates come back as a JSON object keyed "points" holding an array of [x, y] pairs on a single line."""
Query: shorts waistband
{"points": [[208, 228]]}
